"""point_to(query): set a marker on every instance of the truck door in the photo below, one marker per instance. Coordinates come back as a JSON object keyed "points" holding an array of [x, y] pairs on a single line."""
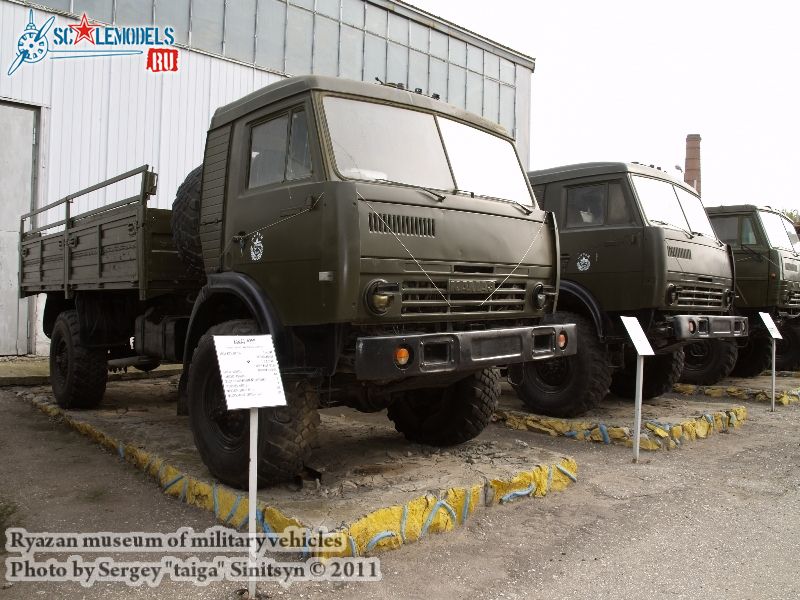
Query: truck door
{"points": [[601, 239], [752, 262], [274, 172]]}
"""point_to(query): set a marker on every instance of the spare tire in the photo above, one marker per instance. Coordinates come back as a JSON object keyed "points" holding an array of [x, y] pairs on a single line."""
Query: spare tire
{"points": [[185, 222]]}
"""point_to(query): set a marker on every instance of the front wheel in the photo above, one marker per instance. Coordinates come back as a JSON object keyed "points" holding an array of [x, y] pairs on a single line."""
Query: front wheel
{"points": [[661, 372], [78, 374], [568, 386], [708, 361], [222, 436], [787, 350], [447, 416], [755, 356]]}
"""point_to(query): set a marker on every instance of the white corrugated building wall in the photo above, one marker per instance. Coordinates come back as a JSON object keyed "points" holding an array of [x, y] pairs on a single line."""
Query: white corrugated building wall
{"points": [[93, 118]]}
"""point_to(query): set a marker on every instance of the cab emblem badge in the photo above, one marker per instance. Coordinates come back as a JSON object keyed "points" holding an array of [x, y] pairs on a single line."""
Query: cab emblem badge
{"points": [[583, 263], [256, 247]]}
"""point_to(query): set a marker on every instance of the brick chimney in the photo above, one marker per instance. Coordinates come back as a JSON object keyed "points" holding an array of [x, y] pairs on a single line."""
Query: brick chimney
{"points": [[691, 174]]}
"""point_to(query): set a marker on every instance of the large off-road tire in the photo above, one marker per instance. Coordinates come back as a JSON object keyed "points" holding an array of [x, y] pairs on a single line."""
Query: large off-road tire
{"points": [[222, 436], [755, 356], [708, 361], [147, 366], [661, 372], [569, 386], [447, 416], [185, 222], [787, 350], [78, 374]]}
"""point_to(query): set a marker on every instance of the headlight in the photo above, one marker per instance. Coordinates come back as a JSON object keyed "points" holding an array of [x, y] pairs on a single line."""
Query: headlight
{"points": [[728, 296], [538, 297], [379, 296], [672, 294]]}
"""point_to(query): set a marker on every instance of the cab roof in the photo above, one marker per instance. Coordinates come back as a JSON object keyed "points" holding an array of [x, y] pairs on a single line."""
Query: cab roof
{"points": [[738, 208], [591, 169], [292, 86]]}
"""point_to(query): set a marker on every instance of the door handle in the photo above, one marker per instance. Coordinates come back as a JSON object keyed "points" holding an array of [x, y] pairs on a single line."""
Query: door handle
{"points": [[610, 243]]}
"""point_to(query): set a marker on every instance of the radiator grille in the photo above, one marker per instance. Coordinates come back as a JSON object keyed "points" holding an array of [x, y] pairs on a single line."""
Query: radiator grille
{"points": [[698, 295], [794, 299], [402, 225], [676, 252], [423, 297]]}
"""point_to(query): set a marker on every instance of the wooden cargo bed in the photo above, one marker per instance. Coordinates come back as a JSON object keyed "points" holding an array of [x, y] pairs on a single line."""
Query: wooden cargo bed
{"points": [[122, 246]]}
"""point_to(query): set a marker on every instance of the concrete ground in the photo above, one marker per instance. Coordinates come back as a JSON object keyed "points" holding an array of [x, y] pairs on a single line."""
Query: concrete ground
{"points": [[716, 518]]}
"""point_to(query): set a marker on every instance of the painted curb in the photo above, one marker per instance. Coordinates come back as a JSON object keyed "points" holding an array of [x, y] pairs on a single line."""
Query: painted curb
{"points": [[655, 435], [782, 397], [795, 374], [34, 380], [383, 529]]}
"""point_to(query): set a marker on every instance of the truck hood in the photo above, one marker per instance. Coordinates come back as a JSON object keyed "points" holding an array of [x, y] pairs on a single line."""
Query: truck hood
{"points": [[458, 229], [791, 266], [699, 256]]}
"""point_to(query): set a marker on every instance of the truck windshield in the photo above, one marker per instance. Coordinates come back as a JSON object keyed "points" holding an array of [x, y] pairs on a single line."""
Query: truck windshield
{"points": [[667, 204], [780, 231], [375, 142]]}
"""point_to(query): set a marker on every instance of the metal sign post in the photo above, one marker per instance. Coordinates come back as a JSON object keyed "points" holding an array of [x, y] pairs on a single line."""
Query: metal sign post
{"points": [[643, 348], [251, 379], [776, 335]]}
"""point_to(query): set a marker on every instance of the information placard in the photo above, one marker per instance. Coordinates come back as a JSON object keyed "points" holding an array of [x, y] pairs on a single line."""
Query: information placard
{"points": [[639, 339], [771, 327], [249, 369]]}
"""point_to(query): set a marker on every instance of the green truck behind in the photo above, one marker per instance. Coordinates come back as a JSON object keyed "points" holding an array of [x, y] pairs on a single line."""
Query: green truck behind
{"points": [[767, 252], [634, 241], [389, 243]]}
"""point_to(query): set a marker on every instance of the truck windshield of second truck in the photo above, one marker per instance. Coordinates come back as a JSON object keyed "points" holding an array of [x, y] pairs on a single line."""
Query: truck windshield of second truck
{"points": [[380, 142], [780, 231], [666, 204]]}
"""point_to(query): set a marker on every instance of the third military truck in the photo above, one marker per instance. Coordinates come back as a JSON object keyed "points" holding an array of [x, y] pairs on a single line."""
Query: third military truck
{"points": [[767, 252], [634, 241], [390, 243]]}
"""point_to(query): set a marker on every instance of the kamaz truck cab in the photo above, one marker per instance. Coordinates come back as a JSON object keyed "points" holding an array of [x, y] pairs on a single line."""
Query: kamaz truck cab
{"points": [[767, 252], [634, 241], [389, 242]]}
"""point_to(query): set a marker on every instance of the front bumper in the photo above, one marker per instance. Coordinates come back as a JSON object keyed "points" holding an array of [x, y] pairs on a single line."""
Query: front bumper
{"points": [[694, 327], [460, 351]]}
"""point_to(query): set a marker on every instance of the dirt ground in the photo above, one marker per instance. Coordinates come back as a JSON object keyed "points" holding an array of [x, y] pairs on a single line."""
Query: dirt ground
{"points": [[718, 518]]}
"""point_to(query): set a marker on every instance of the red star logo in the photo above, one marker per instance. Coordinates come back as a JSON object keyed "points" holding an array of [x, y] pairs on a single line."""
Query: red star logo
{"points": [[84, 30]]}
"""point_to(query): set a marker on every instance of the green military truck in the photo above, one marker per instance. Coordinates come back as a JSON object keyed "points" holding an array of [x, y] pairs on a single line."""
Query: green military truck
{"points": [[389, 243], [634, 241], [767, 252]]}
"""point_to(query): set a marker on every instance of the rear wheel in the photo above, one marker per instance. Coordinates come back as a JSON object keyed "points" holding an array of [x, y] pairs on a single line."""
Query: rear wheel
{"points": [[661, 372], [756, 356], [568, 386], [447, 416], [222, 436], [78, 374], [708, 361], [787, 350]]}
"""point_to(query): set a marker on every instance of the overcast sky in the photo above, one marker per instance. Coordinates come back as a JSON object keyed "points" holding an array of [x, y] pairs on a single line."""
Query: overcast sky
{"points": [[627, 80]]}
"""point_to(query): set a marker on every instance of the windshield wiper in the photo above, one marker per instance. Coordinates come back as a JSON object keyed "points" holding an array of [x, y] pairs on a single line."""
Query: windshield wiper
{"points": [[701, 234], [438, 196], [516, 203], [686, 231]]}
